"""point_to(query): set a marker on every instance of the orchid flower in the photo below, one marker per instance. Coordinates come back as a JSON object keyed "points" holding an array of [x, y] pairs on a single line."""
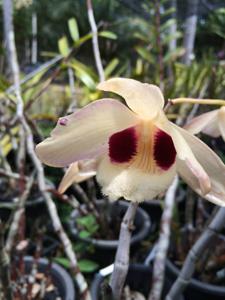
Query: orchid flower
{"points": [[211, 123], [139, 150]]}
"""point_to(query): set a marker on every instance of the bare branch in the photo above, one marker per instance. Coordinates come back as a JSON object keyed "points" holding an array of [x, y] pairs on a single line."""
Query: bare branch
{"points": [[163, 243], [121, 263], [96, 50], [5, 267], [204, 241], [17, 216], [37, 164]]}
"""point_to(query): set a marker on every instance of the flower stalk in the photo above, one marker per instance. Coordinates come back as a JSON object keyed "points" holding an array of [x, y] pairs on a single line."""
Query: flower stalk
{"points": [[121, 263], [163, 243], [198, 101]]}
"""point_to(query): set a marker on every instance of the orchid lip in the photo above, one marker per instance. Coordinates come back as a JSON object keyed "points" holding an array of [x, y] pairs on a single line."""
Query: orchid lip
{"points": [[123, 145], [144, 147]]}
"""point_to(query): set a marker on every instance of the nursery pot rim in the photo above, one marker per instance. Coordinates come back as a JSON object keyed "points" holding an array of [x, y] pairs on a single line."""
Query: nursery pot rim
{"points": [[112, 244], [195, 283], [135, 267], [60, 274]]}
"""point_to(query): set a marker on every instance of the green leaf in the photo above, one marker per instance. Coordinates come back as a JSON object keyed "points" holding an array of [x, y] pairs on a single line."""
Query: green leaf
{"points": [[85, 74], [63, 46], [62, 261], [86, 221], [144, 53], [169, 37], [84, 234], [87, 266], [173, 55], [111, 67], [83, 39], [167, 24], [73, 28], [108, 35]]}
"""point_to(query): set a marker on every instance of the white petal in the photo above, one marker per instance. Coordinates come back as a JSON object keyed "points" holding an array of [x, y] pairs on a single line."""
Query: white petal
{"points": [[84, 134], [144, 99], [213, 166], [206, 122], [185, 153], [221, 121]]}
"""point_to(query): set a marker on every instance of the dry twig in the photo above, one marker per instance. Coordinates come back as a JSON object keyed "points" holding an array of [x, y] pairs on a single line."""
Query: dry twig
{"points": [[121, 263], [204, 241], [5, 267], [96, 50], [17, 216], [37, 164], [163, 243]]}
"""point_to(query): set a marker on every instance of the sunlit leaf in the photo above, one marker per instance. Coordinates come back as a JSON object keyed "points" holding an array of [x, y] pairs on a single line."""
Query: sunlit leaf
{"points": [[108, 35], [62, 261], [111, 67], [64, 46], [73, 28], [87, 266], [144, 53]]}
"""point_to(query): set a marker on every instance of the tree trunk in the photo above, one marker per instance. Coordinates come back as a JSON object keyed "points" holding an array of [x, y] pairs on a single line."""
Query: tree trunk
{"points": [[34, 39], [173, 27], [190, 30], [8, 34]]}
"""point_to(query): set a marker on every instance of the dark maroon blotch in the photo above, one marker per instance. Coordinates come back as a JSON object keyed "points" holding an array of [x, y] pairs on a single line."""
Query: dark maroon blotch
{"points": [[164, 150], [123, 145]]}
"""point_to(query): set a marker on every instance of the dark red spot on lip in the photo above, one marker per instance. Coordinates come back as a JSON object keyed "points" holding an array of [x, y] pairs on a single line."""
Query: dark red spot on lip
{"points": [[164, 150], [123, 145]]}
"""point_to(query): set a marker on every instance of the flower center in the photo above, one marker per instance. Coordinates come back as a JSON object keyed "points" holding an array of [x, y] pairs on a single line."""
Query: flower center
{"points": [[144, 147]]}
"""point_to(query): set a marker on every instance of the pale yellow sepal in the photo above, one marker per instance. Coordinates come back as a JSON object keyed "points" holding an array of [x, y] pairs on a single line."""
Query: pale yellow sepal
{"points": [[206, 121], [221, 121], [211, 163], [84, 134], [144, 99], [76, 173]]}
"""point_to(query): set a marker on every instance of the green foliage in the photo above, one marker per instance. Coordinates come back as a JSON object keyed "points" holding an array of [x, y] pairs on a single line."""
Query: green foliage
{"points": [[217, 22], [85, 265], [64, 46], [89, 225], [73, 28]]}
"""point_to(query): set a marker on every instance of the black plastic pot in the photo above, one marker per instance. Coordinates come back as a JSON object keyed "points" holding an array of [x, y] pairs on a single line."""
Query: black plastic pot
{"points": [[154, 210], [196, 290], [138, 278], [60, 277], [142, 225], [105, 249], [49, 247]]}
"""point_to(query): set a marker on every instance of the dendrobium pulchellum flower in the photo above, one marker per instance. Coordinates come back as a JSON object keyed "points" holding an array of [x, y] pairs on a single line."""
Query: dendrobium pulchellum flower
{"points": [[211, 123], [139, 150]]}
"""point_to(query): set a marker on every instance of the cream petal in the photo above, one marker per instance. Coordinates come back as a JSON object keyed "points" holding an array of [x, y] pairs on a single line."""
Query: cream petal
{"points": [[76, 173], [185, 153], [84, 134], [221, 121], [144, 99], [132, 183], [213, 166], [206, 122]]}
